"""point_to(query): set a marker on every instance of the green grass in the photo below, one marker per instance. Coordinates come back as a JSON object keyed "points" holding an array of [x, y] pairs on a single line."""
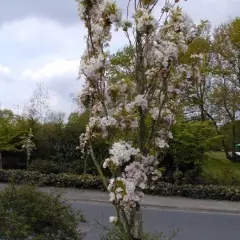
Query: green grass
{"points": [[217, 169]]}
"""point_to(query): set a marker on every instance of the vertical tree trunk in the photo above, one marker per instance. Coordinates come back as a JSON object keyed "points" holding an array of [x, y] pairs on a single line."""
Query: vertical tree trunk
{"points": [[140, 80], [202, 114], [233, 141], [85, 165], [137, 227], [218, 132], [1, 160]]}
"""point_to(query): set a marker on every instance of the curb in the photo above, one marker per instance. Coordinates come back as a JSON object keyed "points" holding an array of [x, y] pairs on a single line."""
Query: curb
{"points": [[173, 208]]}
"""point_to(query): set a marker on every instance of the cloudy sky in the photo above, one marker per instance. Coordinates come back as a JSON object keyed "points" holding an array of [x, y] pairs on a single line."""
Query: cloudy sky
{"points": [[42, 41]]}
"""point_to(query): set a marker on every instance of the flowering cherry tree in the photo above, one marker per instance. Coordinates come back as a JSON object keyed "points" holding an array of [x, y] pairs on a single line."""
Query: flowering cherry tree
{"points": [[134, 114]]}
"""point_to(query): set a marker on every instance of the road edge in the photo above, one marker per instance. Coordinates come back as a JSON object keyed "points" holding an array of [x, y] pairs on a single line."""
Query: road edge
{"points": [[146, 205]]}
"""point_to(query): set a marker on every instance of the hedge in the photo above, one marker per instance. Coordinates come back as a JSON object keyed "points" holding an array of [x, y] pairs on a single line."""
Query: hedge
{"points": [[211, 192], [93, 182], [56, 180]]}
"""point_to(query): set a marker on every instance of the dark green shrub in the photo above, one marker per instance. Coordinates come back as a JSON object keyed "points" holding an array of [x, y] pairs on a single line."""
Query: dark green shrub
{"points": [[192, 139], [58, 180], [197, 191], [44, 166], [115, 233], [26, 213]]}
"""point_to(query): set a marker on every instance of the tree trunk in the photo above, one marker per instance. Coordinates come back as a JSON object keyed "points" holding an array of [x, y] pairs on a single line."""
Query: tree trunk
{"points": [[85, 165], [203, 118], [234, 159], [137, 227], [228, 156], [1, 160]]}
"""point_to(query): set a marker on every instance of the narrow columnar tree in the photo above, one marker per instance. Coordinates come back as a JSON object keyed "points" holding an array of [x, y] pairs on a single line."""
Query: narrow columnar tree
{"points": [[134, 114], [28, 145]]}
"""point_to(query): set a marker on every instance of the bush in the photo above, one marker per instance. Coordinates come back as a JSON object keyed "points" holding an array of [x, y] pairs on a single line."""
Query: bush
{"points": [[93, 182], [56, 167], [26, 213], [115, 233], [57, 180], [183, 162], [44, 166], [212, 192]]}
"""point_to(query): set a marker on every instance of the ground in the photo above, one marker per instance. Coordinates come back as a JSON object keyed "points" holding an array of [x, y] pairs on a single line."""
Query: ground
{"points": [[217, 169]]}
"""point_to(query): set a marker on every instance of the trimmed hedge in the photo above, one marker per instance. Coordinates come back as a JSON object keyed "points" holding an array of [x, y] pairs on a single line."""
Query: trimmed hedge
{"points": [[56, 180], [93, 182], [212, 192]]}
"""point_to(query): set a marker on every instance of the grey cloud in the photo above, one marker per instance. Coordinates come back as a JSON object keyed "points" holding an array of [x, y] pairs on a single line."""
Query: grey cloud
{"points": [[64, 86], [63, 11], [217, 11]]}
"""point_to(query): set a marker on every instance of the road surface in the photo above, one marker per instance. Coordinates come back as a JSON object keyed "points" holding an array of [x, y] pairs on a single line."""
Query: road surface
{"points": [[191, 225]]}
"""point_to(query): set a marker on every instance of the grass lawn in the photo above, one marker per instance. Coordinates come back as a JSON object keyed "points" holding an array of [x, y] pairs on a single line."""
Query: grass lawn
{"points": [[217, 169]]}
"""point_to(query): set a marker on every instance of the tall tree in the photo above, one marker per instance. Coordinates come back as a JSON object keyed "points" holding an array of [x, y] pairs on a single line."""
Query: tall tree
{"points": [[225, 100], [133, 115], [226, 64]]}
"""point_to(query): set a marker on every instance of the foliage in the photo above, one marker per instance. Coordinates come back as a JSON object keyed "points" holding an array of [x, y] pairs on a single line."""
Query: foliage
{"points": [[10, 131], [26, 213], [44, 166], [212, 192], [58, 180], [226, 131], [220, 171], [114, 233], [225, 95], [229, 193], [189, 146]]}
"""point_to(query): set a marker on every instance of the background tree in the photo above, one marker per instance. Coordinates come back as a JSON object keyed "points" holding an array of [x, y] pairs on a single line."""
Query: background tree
{"points": [[226, 49], [10, 133], [37, 108], [225, 98]]}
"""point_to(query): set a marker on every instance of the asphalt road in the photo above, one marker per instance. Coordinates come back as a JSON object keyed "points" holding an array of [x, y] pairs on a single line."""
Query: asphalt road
{"points": [[191, 225]]}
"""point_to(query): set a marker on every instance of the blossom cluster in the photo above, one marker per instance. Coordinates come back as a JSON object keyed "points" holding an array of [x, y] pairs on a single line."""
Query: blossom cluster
{"points": [[126, 190], [144, 20]]}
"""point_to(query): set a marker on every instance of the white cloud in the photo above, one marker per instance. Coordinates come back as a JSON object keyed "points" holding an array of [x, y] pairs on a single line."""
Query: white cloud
{"points": [[39, 50], [4, 70], [216, 11], [58, 68], [32, 42], [41, 42]]}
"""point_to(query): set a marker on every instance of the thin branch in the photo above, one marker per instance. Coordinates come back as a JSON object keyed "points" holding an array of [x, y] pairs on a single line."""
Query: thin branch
{"points": [[129, 40], [129, 1], [155, 3], [104, 179]]}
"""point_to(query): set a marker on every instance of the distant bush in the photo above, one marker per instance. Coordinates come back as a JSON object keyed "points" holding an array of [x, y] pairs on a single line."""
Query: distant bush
{"points": [[57, 180], [49, 166], [44, 166], [114, 233], [229, 193], [212, 192], [26, 213], [191, 141]]}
